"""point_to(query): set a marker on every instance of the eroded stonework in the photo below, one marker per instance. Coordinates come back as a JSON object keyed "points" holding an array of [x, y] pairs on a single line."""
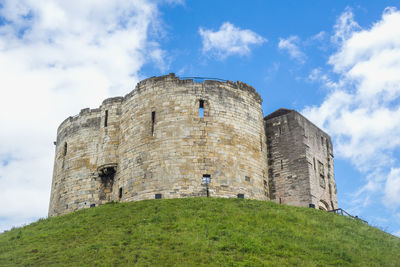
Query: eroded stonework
{"points": [[169, 135]]}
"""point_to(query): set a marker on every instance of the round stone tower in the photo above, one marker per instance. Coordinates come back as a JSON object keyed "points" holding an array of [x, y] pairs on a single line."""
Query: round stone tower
{"points": [[168, 138]]}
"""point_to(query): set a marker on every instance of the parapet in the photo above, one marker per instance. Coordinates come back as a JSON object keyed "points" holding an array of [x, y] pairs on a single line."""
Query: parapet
{"points": [[154, 81]]}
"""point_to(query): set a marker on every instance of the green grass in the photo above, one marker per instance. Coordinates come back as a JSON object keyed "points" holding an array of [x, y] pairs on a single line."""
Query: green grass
{"points": [[199, 232]]}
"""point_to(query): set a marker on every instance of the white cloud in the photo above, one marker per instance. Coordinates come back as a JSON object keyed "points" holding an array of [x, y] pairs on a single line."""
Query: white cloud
{"points": [[229, 40], [319, 36], [57, 57], [317, 75], [392, 188], [291, 45], [345, 26], [397, 233], [175, 2], [362, 108]]}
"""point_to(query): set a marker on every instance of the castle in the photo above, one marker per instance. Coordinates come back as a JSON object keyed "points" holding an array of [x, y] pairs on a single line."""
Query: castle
{"points": [[175, 137]]}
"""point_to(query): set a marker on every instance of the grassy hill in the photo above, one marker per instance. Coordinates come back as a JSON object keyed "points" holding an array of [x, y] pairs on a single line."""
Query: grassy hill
{"points": [[199, 232]]}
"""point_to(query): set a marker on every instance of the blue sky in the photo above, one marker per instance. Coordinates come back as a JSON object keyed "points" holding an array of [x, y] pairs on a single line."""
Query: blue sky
{"points": [[337, 62]]}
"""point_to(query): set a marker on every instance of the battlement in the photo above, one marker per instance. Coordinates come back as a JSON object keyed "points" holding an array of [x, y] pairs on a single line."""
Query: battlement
{"points": [[153, 82], [183, 81], [84, 113]]}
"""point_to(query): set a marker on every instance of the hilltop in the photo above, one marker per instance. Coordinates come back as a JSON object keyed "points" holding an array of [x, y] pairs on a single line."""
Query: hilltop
{"points": [[199, 231]]}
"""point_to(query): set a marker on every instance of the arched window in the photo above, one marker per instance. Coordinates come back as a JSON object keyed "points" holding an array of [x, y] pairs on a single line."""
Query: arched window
{"points": [[323, 205]]}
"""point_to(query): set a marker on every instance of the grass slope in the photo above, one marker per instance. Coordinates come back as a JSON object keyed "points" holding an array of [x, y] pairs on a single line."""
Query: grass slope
{"points": [[199, 231]]}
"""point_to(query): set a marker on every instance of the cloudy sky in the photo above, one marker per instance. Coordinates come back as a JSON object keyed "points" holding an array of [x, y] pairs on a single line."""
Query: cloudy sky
{"points": [[337, 62]]}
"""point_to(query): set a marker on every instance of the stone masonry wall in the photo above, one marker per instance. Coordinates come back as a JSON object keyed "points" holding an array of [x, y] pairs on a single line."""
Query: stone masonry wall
{"points": [[75, 164], [319, 154], [155, 142], [300, 161], [288, 170], [225, 144]]}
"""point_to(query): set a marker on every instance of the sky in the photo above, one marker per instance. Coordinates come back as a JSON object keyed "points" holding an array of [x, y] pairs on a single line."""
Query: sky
{"points": [[336, 62]]}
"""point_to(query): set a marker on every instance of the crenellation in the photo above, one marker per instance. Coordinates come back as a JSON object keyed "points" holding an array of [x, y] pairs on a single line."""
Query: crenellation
{"points": [[154, 142]]}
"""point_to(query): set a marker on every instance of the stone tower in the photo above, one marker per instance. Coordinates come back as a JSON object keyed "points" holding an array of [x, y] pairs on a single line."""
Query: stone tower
{"points": [[174, 137], [300, 161]]}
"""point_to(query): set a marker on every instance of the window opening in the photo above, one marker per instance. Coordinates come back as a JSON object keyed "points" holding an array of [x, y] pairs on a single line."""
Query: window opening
{"points": [[266, 191], [158, 196], [120, 192], [322, 140], [65, 148], [205, 181], [106, 173], [281, 164], [315, 168], [321, 169], [247, 178], [201, 108], [321, 174], [240, 195], [153, 121], [106, 119]]}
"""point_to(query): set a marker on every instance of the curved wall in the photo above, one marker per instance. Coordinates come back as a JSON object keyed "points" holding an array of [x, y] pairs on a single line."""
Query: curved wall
{"points": [[155, 142], [183, 147], [75, 166]]}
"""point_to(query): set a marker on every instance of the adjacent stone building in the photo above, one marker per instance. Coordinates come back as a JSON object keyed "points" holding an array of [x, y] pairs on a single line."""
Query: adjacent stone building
{"points": [[300, 161], [173, 137]]}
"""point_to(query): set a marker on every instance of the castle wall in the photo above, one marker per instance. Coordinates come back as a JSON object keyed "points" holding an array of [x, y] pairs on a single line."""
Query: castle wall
{"points": [[75, 165], [319, 153], [168, 136], [109, 131], [183, 147], [300, 162], [108, 149], [288, 169], [155, 142]]}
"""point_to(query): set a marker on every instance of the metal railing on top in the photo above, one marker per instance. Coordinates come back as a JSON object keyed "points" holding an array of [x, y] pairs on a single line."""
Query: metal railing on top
{"points": [[202, 79], [345, 213]]}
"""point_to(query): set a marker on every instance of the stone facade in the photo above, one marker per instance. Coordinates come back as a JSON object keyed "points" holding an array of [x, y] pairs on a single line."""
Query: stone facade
{"points": [[169, 136], [300, 161]]}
